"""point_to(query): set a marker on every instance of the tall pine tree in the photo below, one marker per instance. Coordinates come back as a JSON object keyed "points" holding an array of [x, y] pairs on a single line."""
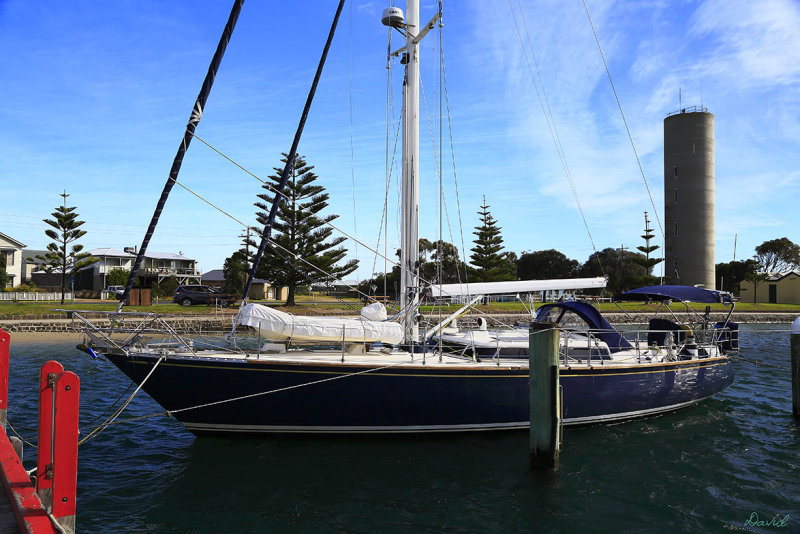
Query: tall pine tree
{"points": [[490, 262], [60, 257], [307, 254], [647, 262]]}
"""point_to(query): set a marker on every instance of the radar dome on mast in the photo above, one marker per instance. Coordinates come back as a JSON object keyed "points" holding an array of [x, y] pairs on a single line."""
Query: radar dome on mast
{"points": [[393, 16]]}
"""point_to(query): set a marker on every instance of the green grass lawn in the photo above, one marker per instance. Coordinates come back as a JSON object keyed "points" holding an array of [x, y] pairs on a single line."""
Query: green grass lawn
{"points": [[163, 307], [317, 304], [47, 308]]}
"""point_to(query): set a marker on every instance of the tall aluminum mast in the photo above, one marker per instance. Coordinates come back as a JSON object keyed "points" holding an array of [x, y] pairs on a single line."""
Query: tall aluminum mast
{"points": [[409, 250], [409, 243]]}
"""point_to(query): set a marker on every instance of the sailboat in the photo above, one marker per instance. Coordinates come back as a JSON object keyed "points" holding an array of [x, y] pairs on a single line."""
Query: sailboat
{"points": [[369, 375]]}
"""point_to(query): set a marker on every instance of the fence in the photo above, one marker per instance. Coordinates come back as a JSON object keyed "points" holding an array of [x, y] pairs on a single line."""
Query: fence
{"points": [[32, 295]]}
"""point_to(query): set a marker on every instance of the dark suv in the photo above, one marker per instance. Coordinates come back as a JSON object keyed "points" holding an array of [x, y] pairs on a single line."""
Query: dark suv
{"points": [[188, 295]]}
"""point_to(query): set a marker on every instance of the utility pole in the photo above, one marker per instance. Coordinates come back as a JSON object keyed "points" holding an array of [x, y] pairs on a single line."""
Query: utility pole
{"points": [[246, 237]]}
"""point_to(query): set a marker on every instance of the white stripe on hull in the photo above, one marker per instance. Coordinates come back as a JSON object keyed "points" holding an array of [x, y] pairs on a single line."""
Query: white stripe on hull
{"points": [[628, 415], [277, 429], [245, 429]]}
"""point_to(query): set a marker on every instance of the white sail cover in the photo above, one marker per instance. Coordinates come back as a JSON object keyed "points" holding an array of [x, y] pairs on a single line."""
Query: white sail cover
{"points": [[374, 312], [517, 286], [280, 326]]}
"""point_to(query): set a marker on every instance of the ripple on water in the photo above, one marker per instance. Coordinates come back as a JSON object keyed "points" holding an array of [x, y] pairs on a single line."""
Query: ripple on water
{"points": [[704, 468]]}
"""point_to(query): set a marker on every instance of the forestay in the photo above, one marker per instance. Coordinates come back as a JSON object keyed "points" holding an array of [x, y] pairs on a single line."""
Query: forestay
{"points": [[280, 326]]}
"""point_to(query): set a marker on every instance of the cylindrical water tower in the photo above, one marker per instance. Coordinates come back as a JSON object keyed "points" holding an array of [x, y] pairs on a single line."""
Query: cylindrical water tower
{"points": [[689, 197]]}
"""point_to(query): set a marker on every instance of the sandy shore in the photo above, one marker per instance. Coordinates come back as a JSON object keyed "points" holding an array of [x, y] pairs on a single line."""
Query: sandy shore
{"points": [[45, 337]]}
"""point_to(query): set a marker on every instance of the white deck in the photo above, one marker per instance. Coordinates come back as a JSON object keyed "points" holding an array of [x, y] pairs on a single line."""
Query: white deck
{"points": [[401, 359], [371, 358]]}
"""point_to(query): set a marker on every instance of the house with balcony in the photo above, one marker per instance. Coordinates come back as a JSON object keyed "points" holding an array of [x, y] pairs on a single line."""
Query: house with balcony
{"points": [[157, 266], [11, 250]]}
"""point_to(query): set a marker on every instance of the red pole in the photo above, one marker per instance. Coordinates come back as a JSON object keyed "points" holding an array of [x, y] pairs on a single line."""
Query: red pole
{"points": [[5, 353], [65, 466], [48, 376]]}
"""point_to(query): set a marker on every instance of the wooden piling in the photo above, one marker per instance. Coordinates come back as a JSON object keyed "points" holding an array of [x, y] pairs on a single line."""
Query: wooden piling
{"points": [[545, 405], [795, 344]]}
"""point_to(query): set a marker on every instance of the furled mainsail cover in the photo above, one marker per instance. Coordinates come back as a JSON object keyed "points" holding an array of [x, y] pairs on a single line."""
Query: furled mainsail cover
{"points": [[374, 312], [279, 326]]}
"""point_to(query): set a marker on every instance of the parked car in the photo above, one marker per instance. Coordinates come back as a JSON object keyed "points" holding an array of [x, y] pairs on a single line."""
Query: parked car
{"points": [[117, 291], [197, 294]]}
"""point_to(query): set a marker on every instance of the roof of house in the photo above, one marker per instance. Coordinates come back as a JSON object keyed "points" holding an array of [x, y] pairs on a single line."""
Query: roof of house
{"points": [[217, 275], [31, 254], [166, 256], [775, 276], [11, 240], [108, 251]]}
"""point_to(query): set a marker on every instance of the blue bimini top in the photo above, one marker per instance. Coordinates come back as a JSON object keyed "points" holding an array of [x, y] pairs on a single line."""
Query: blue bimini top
{"points": [[681, 293], [597, 324]]}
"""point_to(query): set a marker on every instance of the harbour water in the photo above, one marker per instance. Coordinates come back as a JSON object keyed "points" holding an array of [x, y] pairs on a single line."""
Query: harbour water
{"points": [[706, 468]]}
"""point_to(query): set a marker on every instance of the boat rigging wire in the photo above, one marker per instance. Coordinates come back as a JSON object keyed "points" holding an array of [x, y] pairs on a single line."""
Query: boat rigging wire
{"points": [[277, 245], [352, 149], [438, 157], [290, 158], [383, 227], [25, 441], [550, 119], [170, 413], [624, 120], [270, 187], [194, 119], [453, 161], [389, 115], [105, 424]]}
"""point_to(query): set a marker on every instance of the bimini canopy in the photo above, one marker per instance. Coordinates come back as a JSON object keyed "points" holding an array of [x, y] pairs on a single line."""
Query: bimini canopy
{"points": [[681, 293], [598, 325]]}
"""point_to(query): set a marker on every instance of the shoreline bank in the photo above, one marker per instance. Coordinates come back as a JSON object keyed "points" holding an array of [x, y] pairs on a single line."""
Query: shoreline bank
{"points": [[33, 330]]}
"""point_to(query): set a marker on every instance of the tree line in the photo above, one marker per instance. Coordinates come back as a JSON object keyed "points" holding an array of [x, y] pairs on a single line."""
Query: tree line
{"points": [[302, 252]]}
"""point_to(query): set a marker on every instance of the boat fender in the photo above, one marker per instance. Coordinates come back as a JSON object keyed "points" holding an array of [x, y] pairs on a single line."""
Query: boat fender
{"points": [[88, 350]]}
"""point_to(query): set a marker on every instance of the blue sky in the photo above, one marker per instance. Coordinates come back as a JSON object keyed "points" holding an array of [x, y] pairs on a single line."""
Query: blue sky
{"points": [[95, 97]]}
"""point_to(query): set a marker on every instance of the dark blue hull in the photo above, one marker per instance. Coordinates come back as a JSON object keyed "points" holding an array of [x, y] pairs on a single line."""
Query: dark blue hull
{"points": [[603, 394], [407, 399]]}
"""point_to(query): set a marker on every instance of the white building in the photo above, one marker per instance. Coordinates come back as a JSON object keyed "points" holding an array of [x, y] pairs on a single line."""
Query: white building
{"points": [[11, 249]]}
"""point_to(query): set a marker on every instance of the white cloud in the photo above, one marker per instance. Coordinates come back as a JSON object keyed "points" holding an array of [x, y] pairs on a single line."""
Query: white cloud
{"points": [[757, 43]]}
